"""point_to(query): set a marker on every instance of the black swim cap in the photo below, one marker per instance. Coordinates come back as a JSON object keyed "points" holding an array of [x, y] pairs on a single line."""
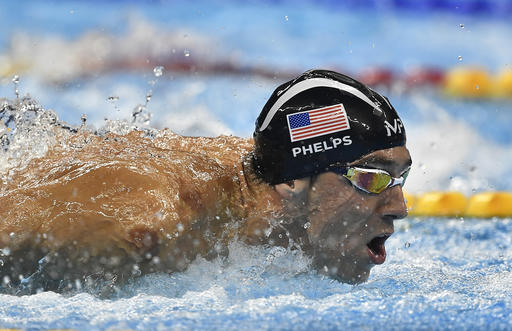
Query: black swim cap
{"points": [[319, 119]]}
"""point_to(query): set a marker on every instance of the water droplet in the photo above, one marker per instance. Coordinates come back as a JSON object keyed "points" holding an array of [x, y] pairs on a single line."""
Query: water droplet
{"points": [[460, 58], [307, 225], [136, 271], [83, 118], [286, 18], [112, 98], [407, 245], [6, 280], [462, 26], [137, 110], [180, 227], [148, 96], [16, 80], [186, 52], [158, 71]]}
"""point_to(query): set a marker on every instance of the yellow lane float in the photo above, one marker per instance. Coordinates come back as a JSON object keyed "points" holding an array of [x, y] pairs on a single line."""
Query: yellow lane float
{"points": [[490, 204], [9, 68], [468, 83], [503, 84], [455, 204], [444, 204], [410, 200]]}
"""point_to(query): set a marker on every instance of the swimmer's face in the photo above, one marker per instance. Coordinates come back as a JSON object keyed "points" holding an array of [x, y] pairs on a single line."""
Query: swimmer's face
{"points": [[348, 227]]}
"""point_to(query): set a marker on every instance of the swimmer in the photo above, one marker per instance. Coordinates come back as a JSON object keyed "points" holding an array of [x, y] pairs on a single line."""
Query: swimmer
{"points": [[324, 174]]}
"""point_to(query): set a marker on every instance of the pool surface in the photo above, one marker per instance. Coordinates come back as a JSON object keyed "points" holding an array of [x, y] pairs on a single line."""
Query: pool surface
{"points": [[440, 273]]}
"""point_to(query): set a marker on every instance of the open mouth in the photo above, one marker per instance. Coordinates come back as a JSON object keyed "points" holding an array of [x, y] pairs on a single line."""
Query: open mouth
{"points": [[377, 250]]}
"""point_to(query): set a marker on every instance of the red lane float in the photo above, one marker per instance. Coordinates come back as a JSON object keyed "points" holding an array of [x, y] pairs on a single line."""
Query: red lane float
{"points": [[377, 77], [459, 82], [420, 77]]}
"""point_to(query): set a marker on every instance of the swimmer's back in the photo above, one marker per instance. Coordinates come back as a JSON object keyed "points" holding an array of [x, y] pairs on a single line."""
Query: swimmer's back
{"points": [[126, 194]]}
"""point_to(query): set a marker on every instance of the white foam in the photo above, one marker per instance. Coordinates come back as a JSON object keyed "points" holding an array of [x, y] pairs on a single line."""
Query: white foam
{"points": [[55, 59]]}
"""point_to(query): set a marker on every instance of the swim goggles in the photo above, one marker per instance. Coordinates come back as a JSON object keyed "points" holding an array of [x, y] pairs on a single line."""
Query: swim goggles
{"points": [[370, 180]]}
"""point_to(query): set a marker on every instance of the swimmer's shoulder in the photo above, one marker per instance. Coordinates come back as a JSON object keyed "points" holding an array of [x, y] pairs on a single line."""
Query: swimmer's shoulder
{"points": [[224, 149]]}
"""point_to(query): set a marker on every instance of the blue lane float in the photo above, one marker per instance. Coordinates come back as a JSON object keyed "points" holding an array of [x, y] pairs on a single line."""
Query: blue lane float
{"points": [[496, 8]]}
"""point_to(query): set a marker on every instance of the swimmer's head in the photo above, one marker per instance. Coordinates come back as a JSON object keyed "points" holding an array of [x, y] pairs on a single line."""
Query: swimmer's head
{"points": [[319, 119]]}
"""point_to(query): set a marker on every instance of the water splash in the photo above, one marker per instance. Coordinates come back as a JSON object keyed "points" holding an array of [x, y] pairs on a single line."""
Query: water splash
{"points": [[27, 130], [452, 270]]}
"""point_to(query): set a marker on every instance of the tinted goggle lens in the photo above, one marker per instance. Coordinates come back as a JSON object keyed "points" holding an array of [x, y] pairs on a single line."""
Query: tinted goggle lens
{"points": [[371, 180]]}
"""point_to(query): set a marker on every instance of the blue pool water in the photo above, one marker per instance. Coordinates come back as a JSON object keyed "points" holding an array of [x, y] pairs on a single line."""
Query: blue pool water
{"points": [[439, 274]]}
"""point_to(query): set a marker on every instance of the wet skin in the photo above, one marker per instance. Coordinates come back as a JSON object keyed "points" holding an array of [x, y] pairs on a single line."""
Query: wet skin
{"points": [[344, 219], [109, 202]]}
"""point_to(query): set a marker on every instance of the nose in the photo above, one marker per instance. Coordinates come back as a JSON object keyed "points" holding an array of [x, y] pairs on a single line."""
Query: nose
{"points": [[393, 204]]}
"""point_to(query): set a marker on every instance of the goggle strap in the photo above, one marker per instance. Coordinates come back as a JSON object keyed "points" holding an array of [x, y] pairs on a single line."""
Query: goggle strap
{"points": [[396, 181]]}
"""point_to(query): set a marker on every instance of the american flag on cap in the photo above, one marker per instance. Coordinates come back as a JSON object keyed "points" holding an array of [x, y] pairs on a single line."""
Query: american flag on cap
{"points": [[317, 122]]}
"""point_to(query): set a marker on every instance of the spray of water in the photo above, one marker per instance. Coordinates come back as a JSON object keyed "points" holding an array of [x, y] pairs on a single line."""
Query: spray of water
{"points": [[27, 130]]}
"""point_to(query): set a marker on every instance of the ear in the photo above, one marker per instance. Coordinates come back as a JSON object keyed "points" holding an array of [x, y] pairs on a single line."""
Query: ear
{"points": [[295, 190]]}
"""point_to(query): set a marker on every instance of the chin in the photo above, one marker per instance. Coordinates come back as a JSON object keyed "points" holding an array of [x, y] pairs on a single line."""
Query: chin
{"points": [[346, 273], [353, 278]]}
